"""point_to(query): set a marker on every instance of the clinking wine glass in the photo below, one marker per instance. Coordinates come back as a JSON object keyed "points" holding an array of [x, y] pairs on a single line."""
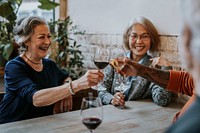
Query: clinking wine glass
{"points": [[118, 53], [91, 112], [122, 85], [122, 82], [101, 60]]}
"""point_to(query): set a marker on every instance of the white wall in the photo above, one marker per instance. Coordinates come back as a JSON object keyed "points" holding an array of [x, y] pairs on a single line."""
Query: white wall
{"points": [[105, 21], [112, 16]]}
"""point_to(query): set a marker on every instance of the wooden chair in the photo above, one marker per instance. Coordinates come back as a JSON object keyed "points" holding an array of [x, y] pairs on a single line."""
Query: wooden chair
{"points": [[77, 98], [1, 95]]}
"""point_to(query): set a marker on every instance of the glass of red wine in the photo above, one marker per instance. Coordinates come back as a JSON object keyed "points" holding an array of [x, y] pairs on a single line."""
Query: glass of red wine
{"points": [[101, 60], [91, 112]]}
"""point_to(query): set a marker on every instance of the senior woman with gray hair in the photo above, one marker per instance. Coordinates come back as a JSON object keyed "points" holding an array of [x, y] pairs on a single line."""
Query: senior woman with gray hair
{"points": [[35, 86], [142, 40]]}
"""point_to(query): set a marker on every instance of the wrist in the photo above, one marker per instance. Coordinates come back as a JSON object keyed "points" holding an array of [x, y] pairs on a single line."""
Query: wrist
{"points": [[140, 70], [75, 85], [71, 90], [111, 101]]}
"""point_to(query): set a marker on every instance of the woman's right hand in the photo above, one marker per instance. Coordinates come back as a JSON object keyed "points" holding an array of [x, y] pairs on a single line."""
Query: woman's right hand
{"points": [[118, 99], [91, 78]]}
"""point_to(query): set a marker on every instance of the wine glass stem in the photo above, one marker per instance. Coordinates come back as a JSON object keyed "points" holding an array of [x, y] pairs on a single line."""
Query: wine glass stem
{"points": [[91, 131]]}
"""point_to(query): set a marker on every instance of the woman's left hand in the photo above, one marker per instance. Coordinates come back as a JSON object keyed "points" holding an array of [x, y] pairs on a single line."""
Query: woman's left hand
{"points": [[63, 105]]}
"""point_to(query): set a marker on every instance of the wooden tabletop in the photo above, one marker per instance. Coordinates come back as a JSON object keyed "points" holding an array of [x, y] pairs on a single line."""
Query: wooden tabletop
{"points": [[139, 117]]}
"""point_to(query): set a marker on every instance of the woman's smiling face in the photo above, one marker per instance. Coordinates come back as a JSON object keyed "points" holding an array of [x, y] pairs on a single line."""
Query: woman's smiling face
{"points": [[139, 41], [39, 42]]}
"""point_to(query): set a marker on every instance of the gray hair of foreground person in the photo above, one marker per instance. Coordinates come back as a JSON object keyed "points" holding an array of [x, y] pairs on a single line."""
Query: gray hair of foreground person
{"points": [[191, 38]]}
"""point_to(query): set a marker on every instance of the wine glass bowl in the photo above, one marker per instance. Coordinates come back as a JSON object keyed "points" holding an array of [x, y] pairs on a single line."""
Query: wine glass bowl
{"points": [[122, 82], [101, 57], [100, 65], [117, 64], [118, 53], [101, 60], [91, 112], [122, 85]]}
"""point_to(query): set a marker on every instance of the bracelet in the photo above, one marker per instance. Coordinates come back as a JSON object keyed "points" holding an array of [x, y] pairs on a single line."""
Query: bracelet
{"points": [[70, 87]]}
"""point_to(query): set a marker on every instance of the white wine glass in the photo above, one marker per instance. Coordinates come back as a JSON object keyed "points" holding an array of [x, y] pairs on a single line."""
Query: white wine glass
{"points": [[118, 53], [101, 60], [123, 83], [91, 112]]}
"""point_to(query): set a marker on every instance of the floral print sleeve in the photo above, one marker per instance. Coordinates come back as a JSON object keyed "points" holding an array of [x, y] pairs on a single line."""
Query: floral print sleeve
{"points": [[106, 95], [160, 95]]}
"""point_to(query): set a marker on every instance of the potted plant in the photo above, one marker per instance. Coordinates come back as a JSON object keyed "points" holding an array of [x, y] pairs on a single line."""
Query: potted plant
{"points": [[6, 40], [67, 56], [8, 15]]}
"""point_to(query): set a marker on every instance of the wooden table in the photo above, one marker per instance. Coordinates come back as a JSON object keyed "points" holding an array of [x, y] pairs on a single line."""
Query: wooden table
{"points": [[139, 117]]}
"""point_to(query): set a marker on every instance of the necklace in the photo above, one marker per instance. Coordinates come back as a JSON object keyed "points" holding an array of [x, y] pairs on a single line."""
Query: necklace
{"points": [[31, 60]]}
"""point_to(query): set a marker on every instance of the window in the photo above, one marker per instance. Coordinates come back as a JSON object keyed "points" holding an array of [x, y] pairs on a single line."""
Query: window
{"points": [[31, 8]]}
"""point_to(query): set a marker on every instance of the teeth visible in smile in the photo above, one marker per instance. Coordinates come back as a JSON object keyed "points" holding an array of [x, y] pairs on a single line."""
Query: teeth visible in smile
{"points": [[139, 48], [44, 48]]}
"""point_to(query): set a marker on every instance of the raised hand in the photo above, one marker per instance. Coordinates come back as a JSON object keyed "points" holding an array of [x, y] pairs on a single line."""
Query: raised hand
{"points": [[126, 66], [91, 78]]}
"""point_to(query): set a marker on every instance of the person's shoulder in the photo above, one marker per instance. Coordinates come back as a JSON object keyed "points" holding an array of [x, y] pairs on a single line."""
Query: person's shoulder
{"points": [[16, 65], [15, 62]]}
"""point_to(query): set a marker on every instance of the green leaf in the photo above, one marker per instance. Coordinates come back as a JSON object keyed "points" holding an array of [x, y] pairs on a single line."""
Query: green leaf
{"points": [[78, 46], [47, 4], [6, 11], [8, 48], [69, 57]]}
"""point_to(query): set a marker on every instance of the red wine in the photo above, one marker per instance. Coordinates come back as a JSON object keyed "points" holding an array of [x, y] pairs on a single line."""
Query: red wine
{"points": [[101, 65], [91, 123]]}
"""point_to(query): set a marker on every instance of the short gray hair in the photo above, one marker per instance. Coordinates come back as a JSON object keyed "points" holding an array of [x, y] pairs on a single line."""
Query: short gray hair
{"points": [[24, 28], [191, 17]]}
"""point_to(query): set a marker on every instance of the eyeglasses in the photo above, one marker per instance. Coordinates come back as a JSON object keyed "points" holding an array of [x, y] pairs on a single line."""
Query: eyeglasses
{"points": [[143, 37]]}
